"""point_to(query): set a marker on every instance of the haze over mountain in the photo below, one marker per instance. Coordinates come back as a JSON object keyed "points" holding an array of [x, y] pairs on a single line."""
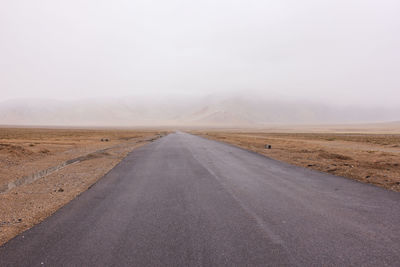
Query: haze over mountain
{"points": [[212, 110], [311, 61]]}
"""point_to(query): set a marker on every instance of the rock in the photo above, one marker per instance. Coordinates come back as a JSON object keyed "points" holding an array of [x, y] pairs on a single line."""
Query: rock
{"points": [[60, 189]]}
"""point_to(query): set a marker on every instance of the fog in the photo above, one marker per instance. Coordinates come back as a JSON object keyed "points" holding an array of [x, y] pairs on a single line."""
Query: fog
{"points": [[177, 58]]}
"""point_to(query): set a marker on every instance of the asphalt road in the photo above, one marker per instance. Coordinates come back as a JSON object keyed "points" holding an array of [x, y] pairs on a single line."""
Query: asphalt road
{"points": [[187, 201]]}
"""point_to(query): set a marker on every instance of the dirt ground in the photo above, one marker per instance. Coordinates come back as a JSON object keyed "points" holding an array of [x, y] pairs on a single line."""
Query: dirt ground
{"points": [[26, 151], [365, 157]]}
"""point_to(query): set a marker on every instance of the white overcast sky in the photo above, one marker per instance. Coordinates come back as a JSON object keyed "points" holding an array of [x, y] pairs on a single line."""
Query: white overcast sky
{"points": [[339, 51]]}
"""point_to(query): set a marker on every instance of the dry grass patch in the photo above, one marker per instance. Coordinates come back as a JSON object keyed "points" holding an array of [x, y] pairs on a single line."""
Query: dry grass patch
{"points": [[26, 151], [369, 158]]}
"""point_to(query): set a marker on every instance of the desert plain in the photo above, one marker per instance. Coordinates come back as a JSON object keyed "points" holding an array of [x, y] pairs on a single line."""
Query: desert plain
{"points": [[368, 154], [28, 151]]}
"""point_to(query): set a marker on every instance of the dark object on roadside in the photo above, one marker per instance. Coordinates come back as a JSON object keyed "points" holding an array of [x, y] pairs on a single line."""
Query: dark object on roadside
{"points": [[105, 139], [60, 189], [268, 146]]}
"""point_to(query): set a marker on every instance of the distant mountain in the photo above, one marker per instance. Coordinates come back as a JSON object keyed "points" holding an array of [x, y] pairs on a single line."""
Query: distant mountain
{"points": [[174, 110], [258, 111]]}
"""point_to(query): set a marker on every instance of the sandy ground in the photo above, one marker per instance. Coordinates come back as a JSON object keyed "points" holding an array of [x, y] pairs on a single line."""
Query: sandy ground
{"points": [[24, 206], [24, 151], [368, 158]]}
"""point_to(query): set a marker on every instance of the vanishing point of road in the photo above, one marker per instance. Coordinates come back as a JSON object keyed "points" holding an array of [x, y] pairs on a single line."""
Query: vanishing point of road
{"points": [[188, 201]]}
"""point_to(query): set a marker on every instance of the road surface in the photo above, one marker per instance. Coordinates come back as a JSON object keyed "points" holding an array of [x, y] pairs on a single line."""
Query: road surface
{"points": [[187, 201]]}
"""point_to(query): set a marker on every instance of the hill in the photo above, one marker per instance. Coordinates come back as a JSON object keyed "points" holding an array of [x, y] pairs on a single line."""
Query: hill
{"points": [[223, 111]]}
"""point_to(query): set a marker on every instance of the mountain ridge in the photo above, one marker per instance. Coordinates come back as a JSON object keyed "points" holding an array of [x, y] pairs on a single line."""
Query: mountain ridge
{"points": [[206, 111]]}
